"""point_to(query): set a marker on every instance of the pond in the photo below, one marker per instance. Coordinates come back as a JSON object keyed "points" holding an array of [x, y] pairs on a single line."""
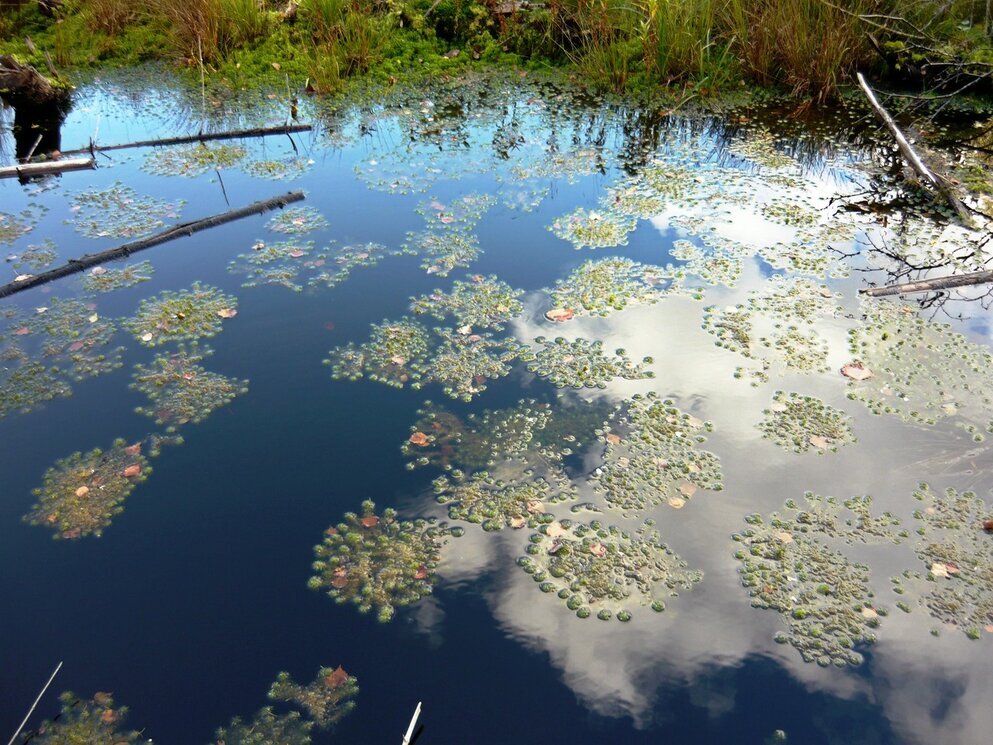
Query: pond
{"points": [[560, 416]]}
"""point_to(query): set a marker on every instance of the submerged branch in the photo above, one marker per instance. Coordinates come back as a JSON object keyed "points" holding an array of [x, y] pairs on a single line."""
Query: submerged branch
{"points": [[177, 231], [927, 285], [202, 137]]}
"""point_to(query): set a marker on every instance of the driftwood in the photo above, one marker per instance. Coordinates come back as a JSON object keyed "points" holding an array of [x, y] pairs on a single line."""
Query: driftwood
{"points": [[177, 231], [24, 85], [937, 182], [927, 285], [202, 137], [30, 170]]}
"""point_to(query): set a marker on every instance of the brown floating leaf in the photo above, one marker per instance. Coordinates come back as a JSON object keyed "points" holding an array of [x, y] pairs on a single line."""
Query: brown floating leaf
{"points": [[421, 573], [108, 716], [227, 312], [369, 521], [598, 550], [82, 491], [687, 489], [103, 698], [677, 503], [133, 449], [133, 470], [518, 522], [856, 371], [819, 442], [784, 537], [560, 315], [870, 613], [555, 530], [613, 439], [420, 439], [337, 677], [534, 506]]}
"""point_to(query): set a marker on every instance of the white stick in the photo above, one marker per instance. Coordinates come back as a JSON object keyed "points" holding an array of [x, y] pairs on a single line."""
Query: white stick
{"points": [[912, 157], [31, 710], [410, 729]]}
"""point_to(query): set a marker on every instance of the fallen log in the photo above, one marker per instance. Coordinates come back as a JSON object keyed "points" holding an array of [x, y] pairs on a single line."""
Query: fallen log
{"points": [[927, 285], [176, 231], [935, 181], [202, 137], [23, 85], [30, 170]]}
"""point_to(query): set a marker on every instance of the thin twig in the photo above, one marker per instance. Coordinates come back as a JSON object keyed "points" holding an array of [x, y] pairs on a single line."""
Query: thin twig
{"points": [[35, 704]]}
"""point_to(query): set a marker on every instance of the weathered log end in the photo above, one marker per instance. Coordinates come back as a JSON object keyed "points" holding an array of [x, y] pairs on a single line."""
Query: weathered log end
{"points": [[23, 86]]}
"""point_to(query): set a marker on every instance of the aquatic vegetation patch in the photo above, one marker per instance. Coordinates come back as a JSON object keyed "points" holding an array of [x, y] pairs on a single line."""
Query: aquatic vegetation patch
{"points": [[192, 160], [594, 228], [483, 302], [279, 263], [582, 364], [119, 212], [337, 264], [101, 279], [462, 213], [652, 456], [13, 227], [36, 256], [602, 570], [759, 146], [266, 728], [600, 287], [800, 423], [439, 438], [824, 598], [29, 385], [74, 338], [379, 562], [790, 306], [956, 551], [181, 316], [713, 267], [443, 251], [327, 699], [95, 720], [278, 170], [82, 493], [180, 390], [395, 354], [920, 371], [496, 503], [462, 363], [297, 221], [789, 212]]}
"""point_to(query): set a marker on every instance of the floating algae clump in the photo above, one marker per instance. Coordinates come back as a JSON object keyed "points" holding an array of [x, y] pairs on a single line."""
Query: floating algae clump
{"points": [[278, 263], [180, 316], [36, 257], [297, 221], [83, 492], [180, 390], [75, 337], [956, 549], [443, 251], [100, 279], [84, 722], [713, 266], [378, 562], [760, 148], [824, 597], [462, 363], [582, 364], [192, 160], [920, 371], [12, 228], [442, 439], [393, 354], [790, 306], [652, 456], [484, 302], [24, 388], [278, 170], [788, 211], [266, 728], [494, 503], [799, 423], [597, 288], [337, 264], [459, 214], [119, 212], [326, 699], [600, 569], [593, 229]]}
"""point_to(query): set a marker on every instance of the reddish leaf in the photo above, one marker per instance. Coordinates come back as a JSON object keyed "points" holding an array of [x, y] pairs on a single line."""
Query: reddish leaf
{"points": [[421, 573], [856, 371], [420, 439], [133, 470], [369, 521], [559, 315]]}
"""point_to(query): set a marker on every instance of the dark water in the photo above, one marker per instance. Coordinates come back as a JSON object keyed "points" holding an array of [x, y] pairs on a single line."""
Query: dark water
{"points": [[196, 596]]}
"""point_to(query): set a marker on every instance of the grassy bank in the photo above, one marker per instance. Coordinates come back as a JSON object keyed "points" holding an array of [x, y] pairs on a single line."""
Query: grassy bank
{"points": [[807, 48]]}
